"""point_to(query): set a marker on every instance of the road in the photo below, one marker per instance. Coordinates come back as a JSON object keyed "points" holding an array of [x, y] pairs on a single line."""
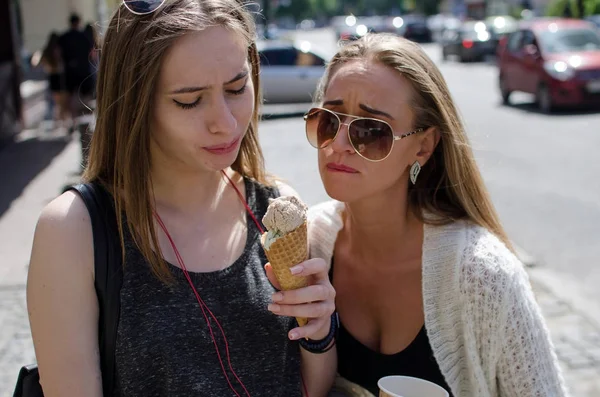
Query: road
{"points": [[542, 171]]}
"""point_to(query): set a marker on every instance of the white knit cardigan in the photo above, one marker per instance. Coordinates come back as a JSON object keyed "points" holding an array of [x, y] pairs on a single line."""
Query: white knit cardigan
{"points": [[484, 325]]}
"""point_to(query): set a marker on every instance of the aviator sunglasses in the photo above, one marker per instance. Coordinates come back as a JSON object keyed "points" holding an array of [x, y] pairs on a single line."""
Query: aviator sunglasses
{"points": [[143, 7], [372, 139]]}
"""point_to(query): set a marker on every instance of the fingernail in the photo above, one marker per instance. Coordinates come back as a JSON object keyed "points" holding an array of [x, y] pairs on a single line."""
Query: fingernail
{"points": [[273, 308], [277, 297], [296, 269], [293, 336]]}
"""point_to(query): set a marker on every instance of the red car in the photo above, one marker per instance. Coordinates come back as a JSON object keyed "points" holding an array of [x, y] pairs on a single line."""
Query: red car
{"points": [[558, 60]]}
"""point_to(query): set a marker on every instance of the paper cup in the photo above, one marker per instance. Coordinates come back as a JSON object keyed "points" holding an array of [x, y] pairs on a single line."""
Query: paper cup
{"points": [[406, 386]]}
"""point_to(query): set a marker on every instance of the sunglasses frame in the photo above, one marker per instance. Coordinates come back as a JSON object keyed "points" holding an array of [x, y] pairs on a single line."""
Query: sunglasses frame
{"points": [[162, 2], [355, 118]]}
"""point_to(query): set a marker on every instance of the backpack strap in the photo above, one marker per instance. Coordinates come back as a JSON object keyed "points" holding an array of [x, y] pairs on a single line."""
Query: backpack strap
{"points": [[108, 272]]}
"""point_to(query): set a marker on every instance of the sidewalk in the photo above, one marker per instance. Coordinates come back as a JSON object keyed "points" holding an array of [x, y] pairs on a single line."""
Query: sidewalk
{"points": [[36, 168]]}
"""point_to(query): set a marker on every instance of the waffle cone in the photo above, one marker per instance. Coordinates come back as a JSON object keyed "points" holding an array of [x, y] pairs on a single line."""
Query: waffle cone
{"points": [[286, 252]]}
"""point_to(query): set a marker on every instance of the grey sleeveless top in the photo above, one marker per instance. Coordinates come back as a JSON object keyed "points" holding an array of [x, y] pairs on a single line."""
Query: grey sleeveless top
{"points": [[164, 347]]}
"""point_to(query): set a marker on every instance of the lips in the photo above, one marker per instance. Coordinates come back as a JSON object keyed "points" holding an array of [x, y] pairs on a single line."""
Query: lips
{"points": [[223, 148], [335, 167]]}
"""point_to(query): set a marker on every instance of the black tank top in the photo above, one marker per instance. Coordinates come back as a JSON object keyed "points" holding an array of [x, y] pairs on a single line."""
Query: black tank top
{"points": [[164, 347], [364, 366]]}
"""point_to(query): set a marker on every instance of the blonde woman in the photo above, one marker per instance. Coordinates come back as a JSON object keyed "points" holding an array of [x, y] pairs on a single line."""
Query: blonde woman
{"points": [[427, 283], [176, 145]]}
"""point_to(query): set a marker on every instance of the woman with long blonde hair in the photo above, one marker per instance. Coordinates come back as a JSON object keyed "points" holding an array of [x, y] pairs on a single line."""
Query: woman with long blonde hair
{"points": [[176, 147], [427, 283]]}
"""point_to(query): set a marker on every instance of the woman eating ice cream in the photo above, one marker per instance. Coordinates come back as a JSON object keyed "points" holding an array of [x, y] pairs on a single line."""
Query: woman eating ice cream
{"points": [[427, 283]]}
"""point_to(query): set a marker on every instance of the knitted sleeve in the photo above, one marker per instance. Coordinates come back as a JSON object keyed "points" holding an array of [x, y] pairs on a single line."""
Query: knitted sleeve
{"points": [[527, 365]]}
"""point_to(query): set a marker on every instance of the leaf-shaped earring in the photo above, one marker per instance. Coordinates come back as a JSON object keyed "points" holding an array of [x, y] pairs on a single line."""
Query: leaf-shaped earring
{"points": [[414, 172]]}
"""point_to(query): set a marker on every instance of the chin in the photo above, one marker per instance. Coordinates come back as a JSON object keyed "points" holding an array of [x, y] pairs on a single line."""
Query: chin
{"points": [[342, 190]]}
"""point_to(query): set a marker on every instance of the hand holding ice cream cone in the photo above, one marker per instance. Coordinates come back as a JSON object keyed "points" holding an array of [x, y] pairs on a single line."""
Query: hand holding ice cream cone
{"points": [[306, 292]]}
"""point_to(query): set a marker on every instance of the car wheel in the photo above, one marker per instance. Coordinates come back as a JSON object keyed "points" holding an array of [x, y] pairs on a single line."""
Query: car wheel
{"points": [[504, 91], [544, 99]]}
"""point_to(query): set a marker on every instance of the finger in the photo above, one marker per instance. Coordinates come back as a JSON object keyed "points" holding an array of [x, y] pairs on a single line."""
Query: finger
{"points": [[310, 329], [315, 267], [271, 276], [307, 310], [312, 293]]}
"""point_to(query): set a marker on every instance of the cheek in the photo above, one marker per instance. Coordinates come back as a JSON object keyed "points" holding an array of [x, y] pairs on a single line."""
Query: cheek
{"points": [[176, 129]]}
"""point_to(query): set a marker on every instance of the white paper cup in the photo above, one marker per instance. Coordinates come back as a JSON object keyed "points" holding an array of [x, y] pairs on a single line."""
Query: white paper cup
{"points": [[406, 386]]}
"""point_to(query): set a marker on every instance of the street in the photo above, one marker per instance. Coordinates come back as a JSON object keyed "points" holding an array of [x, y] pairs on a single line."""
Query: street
{"points": [[541, 171]]}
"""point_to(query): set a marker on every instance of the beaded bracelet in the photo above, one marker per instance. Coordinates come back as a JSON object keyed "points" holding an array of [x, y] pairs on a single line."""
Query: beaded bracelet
{"points": [[325, 344]]}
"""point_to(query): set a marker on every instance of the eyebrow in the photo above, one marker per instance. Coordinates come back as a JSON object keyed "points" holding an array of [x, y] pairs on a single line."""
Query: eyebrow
{"points": [[339, 102], [187, 90]]}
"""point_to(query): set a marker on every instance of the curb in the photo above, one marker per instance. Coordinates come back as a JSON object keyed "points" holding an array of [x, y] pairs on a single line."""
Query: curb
{"points": [[284, 110], [276, 116], [524, 257]]}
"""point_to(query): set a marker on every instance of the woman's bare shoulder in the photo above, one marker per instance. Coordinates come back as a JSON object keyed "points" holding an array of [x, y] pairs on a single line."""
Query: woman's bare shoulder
{"points": [[64, 231]]}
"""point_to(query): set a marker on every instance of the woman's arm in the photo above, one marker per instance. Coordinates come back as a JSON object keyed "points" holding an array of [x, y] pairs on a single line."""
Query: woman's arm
{"points": [[318, 370], [61, 300], [528, 365]]}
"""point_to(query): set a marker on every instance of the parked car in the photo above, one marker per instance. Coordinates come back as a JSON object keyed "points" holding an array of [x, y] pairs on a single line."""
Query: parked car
{"points": [[595, 19], [290, 70], [500, 26], [350, 27], [472, 41], [415, 28], [439, 23], [557, 60]]}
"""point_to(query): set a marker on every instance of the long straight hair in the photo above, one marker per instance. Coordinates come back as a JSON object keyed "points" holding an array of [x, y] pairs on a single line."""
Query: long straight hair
{"points": [[449, 186], [131, 56]]}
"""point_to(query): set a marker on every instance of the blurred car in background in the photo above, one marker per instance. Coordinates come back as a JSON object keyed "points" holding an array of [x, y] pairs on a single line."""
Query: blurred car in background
{"points": [[413, 27], [351, 27], [472, 41], [439, 23], [595, 19], [500, 26], [557, 60], [290, 70]]}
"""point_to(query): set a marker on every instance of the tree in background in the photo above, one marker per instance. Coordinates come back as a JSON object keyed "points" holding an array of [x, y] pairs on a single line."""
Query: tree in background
{"points": [[572, 8]]}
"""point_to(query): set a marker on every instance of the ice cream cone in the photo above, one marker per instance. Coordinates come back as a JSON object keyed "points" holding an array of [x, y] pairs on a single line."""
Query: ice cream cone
{"points": [[286, 252]]}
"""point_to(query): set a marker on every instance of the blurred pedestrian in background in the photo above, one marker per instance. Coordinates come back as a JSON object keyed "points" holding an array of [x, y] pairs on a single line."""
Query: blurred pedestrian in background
{"points": [[76, 48], [53, 65]]}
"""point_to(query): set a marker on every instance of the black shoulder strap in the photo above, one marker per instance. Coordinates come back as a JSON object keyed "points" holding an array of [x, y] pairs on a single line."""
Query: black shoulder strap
{"points": [[108, 274]]}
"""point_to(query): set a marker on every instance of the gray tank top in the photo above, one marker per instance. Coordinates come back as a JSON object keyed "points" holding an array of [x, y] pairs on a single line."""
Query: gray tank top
{"points": [[164, 347]]}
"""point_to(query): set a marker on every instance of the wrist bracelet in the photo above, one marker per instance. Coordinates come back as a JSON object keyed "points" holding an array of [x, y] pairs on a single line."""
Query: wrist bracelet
{"points": [[325, 344]]}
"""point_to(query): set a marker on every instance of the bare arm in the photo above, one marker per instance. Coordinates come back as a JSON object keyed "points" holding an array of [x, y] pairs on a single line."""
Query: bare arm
{"points": [[61, 300]]}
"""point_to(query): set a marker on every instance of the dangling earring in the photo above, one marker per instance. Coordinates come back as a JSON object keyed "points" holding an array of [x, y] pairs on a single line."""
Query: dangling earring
{"points": [[414, 172]]}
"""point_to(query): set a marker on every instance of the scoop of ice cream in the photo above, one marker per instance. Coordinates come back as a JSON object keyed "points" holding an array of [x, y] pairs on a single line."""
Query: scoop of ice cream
{"points": [[284, 214]]}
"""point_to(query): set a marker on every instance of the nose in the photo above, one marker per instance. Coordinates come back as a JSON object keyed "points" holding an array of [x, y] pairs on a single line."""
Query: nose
{"points": [[220, 117], [341, 143]]}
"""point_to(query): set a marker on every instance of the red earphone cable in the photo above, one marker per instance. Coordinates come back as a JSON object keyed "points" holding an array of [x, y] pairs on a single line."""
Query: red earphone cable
{"points": [[202, 307]]}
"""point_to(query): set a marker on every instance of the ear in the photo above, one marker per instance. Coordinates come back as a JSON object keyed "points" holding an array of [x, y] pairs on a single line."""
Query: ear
{"points": [[428, 141]]}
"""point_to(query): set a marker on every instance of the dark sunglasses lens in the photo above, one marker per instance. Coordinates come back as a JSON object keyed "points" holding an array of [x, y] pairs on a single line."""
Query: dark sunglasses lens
{"points": [[373, 139], [321, 127], [142, 6]]}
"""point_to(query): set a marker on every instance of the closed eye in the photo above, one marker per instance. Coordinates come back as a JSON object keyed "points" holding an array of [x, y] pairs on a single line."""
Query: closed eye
{"points": [[184, 105], [241, 90], [238, 92]]}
